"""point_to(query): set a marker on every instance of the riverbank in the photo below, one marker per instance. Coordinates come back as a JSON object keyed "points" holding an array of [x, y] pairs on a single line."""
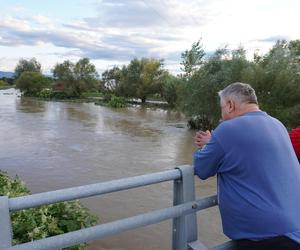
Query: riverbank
{"points": [[102, 101]]}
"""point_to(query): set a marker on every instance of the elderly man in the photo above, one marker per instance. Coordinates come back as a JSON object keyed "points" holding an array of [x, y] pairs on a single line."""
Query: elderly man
{"points": [[258, 173]]}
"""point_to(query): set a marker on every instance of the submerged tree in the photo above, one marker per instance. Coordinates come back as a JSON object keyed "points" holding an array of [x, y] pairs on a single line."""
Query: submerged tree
{"points": [[140, 79], [77, 78], [30, 83]]}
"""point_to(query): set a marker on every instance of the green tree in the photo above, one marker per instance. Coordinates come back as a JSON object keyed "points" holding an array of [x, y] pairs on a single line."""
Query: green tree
{"points": [[221, 69], [24, 65], [276, 79], [151, 78], [141, 78], [192, 59], [131, 78], [173, 90], [30, 83], [86, 73], [77, 78]]}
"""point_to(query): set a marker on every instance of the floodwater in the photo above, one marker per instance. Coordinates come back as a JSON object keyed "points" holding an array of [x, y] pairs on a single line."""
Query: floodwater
{"points": [[54, 145]]}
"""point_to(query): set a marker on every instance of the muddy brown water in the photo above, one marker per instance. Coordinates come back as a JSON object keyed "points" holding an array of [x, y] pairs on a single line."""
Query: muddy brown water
{"points": [[54, 145]]}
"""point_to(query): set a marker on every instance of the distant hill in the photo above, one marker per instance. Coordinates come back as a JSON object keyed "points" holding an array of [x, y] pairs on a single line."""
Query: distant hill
{"points": [[6, 74]]}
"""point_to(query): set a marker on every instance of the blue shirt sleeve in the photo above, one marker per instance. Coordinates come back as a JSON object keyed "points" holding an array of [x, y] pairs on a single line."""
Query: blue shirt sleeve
{"points": [[208, 160]]}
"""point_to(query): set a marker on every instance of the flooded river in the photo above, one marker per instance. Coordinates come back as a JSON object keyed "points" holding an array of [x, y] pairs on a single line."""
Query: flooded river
{"points": [[54, 145]]}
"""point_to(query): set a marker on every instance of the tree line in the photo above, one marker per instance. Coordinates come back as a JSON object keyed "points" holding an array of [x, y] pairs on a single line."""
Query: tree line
{"points": [[274, 75]]}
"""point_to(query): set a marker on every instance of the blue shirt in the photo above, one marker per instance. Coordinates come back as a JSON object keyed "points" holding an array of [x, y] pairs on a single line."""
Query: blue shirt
{"points": [[258, 177]]}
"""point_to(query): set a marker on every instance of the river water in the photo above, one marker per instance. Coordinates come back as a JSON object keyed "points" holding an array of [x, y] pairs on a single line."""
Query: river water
{"points": [[54, 145]]}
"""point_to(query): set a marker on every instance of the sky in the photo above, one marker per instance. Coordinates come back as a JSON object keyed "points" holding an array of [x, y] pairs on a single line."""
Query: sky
{"points": [[114, 32]]}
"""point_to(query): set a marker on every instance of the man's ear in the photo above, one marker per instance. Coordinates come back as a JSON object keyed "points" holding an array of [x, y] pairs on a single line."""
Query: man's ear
{"points": [[231, 106]]}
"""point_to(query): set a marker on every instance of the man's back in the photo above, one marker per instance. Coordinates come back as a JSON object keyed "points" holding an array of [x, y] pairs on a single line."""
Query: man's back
{"points": [[258, 177]]}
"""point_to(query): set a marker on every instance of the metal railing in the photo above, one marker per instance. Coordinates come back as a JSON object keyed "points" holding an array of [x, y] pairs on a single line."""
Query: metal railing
{"points": [[183, 212]]}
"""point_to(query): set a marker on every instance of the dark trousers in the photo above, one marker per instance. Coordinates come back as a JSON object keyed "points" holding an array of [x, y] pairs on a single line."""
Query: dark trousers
{"points": [[276, 243]]}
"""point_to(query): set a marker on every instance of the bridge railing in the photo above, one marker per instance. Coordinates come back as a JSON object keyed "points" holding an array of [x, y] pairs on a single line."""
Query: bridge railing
{"points": [[183, 212]]}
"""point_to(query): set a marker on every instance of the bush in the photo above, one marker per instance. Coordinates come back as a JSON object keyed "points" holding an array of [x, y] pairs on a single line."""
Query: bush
{"points": [[2, 83], [45, 93], [91, 94], [44, 221], [31, 83], [117, 102]]}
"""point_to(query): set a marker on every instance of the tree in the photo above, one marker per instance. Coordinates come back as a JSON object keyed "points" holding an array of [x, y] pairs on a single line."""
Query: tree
{"points": [[172, 90], [24, 65], [131, 78], [77, 78], [201, 99], [31, 82], [151, 78], [141, 78], [192, 59], [276, 79], [86, 73]]}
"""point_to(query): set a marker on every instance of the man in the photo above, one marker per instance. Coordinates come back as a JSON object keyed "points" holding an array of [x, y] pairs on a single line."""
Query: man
{"points": [[258, 173]]}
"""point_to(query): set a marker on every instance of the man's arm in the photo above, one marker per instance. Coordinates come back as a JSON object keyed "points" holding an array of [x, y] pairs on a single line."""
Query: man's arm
{"points": [[208, 159]]}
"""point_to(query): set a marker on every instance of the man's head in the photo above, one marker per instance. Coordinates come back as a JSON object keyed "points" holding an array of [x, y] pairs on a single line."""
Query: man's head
{"points": [[237, 99]]}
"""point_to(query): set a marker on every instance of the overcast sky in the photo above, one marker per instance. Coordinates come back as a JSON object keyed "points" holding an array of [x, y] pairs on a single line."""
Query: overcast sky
{"points": [[114, 32]]}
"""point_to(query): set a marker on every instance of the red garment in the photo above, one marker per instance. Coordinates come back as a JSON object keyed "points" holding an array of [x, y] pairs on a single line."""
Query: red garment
{"points": [[295, 138]]}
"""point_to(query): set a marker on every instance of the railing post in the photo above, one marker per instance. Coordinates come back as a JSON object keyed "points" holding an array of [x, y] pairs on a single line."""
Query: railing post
{"points": [[184, 227], [5, 224]]}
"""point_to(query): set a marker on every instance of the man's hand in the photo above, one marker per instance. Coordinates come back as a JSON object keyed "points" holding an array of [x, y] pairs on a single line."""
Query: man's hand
{"points": [[202, 138]]}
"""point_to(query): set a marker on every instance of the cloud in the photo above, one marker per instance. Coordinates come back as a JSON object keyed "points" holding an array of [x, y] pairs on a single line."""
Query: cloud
{"points": [[141, 14], [121, 13], [82, 39], [273, 39], [119, 30]]}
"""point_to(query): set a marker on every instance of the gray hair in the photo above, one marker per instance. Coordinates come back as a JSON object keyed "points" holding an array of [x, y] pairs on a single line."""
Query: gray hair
{"points": [[241, 92]]}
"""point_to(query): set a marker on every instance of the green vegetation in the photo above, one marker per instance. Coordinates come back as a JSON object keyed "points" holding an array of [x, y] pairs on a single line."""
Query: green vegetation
{"points": [[31, 83], [91, 94], [173, 89], [140, 79], [24, 65], [192, 59], [76, 78], [117, 102], [4, 85], [274, 75], [44, 221]]}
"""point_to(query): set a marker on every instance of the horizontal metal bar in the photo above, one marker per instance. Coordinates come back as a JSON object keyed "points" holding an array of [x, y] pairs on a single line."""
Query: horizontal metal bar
{"points": [[112, 228], [74, 193]]}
